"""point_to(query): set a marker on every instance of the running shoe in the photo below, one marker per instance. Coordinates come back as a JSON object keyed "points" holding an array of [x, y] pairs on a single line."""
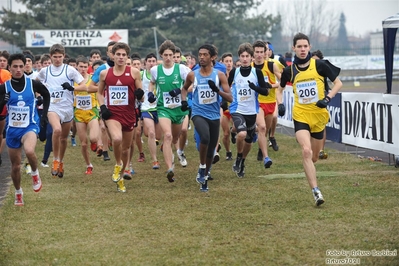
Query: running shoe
{"points": [[93, 146], [241, 173], [28, 169], [204, 187], [127, 175], [132, 172], [274, 143], [106, 156], [36, 183], [169, 175], [19, 201], [141, 157], [89, 170], [116, 176], [45, 165], [323, 155], [73, 141], [216, 158], [201, 176], [229, 156], [182, 159], [61, 170], [260, 155], [267, 162], [237, 165], [155, 165], [54, 168], [120, 185], [209, 177], [318, 197]]}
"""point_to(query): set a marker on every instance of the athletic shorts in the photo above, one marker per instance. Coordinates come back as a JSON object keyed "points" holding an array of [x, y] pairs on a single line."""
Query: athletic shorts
{"points": [[65, 115], [85, 116], [316, 120], [227, 114], [268, 108], [175, 115], [151, 115], [14, 135]]}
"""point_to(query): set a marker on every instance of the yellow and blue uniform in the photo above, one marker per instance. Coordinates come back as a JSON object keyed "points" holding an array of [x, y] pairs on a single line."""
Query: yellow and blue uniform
{"points": [[85, 106]]}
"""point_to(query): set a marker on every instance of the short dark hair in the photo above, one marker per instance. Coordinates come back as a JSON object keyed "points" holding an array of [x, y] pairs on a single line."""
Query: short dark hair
{"points": [[150, 55], [14, 57], [300, 36], [245, 47], [95, 51], [260, 44], [210, 48]]}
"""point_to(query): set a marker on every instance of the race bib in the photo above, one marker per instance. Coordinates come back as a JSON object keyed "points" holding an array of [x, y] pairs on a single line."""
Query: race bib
{"points": [[171, 102], [57, 94], [244, 94], [18, 116], [83, 102], [307, 92], [118, 95], [206, 95]]}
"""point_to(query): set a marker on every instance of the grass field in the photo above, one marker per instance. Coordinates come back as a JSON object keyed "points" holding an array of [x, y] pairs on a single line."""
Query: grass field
{"points": [[266, 218]]}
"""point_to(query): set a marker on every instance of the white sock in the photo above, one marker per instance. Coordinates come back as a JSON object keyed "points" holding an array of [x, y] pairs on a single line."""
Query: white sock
{"points": [[36, 172], [202, 166], [18, 191]]}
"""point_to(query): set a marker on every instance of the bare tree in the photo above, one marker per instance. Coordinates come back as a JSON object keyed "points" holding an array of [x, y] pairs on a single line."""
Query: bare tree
{"points": [[311, 17]]}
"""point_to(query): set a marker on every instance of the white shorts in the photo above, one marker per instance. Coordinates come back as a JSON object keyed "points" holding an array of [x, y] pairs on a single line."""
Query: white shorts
{"points": [[65, 115]]}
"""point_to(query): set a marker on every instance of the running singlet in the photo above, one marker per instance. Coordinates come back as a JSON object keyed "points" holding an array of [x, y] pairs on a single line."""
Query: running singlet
{"points": [[308, 88], [146, 105], [54, 77], [21, 106], [205, 102], [167, 83], [85, 100], [270, 78], [119, 93], [245, 99]]}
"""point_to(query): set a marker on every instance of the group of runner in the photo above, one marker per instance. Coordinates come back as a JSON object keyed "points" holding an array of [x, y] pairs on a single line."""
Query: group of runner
{"points": [[111, 106]]}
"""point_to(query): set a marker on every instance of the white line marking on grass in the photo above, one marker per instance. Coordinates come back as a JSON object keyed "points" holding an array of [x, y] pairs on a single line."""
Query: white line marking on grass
{"points": [[299, 175]]}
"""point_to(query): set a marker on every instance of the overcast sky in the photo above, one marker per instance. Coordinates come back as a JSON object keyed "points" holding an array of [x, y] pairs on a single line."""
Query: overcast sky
{"points": [[362, 16]]}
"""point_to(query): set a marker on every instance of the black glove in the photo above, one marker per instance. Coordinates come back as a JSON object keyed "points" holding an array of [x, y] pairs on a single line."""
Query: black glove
{"points": [[39, 100], [224, 105], [151, 97], [281, 109], [105, 113], [175, 92], [213, 86], [43, 121], [67, 86], [184, 106], [323, 103], [258, 89], [139, 93], [5, 99]]}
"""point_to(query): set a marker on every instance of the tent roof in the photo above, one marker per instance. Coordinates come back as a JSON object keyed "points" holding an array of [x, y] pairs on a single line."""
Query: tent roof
{"points": [[391, 22]]}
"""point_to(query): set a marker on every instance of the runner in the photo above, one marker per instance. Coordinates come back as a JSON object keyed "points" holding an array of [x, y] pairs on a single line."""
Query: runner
{"points": [[58, 78], [309, 113], [22, 121], [206, 107], [118, 88], [166, 82]]}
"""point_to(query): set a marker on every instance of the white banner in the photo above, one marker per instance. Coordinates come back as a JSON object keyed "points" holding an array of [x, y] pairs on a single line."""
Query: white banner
{"points": [[369, 62], [369, 121], [75, 38]]}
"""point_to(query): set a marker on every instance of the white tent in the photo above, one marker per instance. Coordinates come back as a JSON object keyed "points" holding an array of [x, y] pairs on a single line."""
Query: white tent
{"points": [[390, 27]]}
